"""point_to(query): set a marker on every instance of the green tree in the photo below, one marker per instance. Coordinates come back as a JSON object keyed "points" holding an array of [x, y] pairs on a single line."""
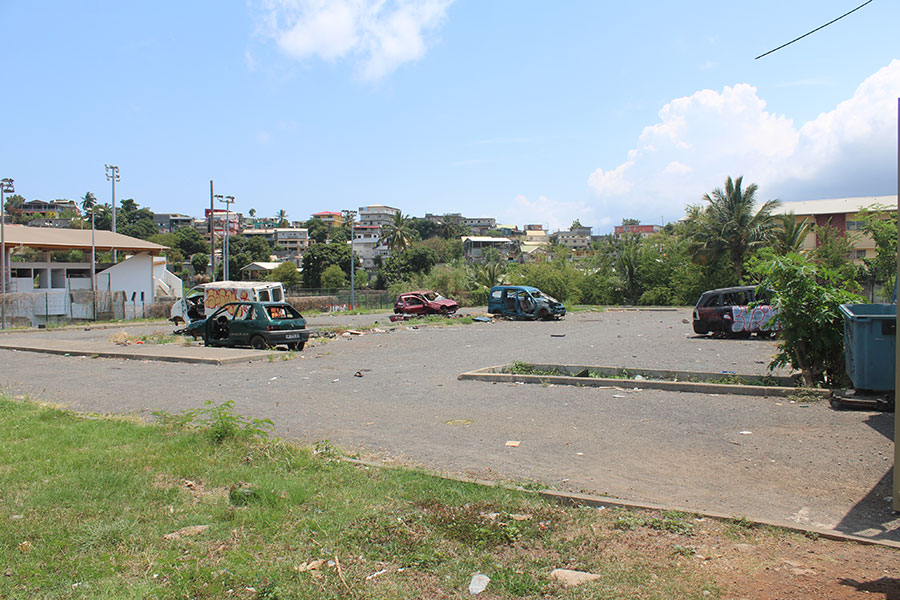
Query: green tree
{"points": [[791, 235], [728, 224], [199, 263], [401, 266], [832, 252], [398, 234], [316, 230], [424, 228], [881, 225], [333, 277], [281, 217], [88, 201], [190, 241], [287, 274], [812, 330], [321, 256]]}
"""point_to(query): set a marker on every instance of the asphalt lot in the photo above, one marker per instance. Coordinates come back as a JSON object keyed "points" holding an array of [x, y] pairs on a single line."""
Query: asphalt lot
{"points": [[795, 463]]}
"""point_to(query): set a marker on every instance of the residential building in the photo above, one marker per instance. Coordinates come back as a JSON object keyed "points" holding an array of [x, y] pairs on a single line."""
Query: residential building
{"points": [[44, 222], [292, 240], [480, 225], [220, 218], [641, 230], [474, 247], [377, 215], [258, 271], [330, 218], [170, 222], [577, 238], [368, 245], [842, 214], [51, 209]]}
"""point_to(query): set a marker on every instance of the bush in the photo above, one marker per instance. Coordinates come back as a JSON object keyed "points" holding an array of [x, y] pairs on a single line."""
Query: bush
{"points": [[812, 328]]}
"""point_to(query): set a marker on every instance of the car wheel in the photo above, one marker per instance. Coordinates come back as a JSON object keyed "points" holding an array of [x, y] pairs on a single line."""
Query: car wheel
{"points": [[543, 315], [258, 342], [296, 345]]}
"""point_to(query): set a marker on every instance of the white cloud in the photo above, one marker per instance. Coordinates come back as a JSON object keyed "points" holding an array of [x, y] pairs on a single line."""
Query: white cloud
{"points": [[378, 35], [556, 215], [701, 139]]}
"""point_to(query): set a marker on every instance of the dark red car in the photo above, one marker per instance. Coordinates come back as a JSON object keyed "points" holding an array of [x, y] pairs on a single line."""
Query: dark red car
{"points": [[424, 303]]}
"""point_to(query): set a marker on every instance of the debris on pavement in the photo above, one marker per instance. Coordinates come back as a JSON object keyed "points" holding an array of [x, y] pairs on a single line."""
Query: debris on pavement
{"points": [[570, 578], [479, 583], [513, 443]]}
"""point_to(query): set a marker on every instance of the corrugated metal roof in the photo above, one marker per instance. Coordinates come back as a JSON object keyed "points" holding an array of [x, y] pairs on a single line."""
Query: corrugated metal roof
{"points": [[52, 238]]}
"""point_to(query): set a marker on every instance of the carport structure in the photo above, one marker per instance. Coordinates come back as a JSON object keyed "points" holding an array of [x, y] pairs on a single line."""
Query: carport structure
{"points": [[142, 275]]}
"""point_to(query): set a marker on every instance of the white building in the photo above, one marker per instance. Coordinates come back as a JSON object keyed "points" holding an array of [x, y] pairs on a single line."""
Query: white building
{"points": [[41, 290], [367, 245], [377, 215]]}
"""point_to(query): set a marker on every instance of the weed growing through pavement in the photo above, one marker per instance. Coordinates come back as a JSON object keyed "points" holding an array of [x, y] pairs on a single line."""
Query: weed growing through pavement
{"points": [[218, 422]]}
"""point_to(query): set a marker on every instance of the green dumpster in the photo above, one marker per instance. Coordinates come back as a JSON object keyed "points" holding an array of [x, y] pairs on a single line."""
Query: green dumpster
{"points": [[870, 345]]}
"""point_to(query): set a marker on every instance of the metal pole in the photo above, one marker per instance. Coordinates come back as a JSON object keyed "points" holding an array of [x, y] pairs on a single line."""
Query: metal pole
{"points": [[93, 271], [112, 174], [6, 185], [225, 250], [212, 229], [896, 494], [352, 266]]}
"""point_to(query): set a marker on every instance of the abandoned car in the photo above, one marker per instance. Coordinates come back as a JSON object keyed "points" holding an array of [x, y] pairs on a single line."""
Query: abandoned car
{"points": [[524, 302], [256, 324], [735, 312], [424, 303]]}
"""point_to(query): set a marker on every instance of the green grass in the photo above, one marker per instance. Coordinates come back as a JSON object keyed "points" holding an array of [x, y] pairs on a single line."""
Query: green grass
{"points": [[87, 503]]}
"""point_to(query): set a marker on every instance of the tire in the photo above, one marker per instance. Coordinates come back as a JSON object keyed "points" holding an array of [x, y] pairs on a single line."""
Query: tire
{"points": [[258, 342], [543, 315], [296, 345]]}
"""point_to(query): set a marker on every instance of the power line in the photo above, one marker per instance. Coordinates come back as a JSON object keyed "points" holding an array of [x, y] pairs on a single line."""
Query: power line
{"points": [[814, 30]]}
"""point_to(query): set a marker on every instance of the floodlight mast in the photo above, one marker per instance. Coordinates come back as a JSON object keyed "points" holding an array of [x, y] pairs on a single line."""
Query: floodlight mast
{"points": [[7, 186]]}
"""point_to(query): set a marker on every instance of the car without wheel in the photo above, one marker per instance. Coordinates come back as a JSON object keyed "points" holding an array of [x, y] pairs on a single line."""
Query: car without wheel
{"points": [[256, 324], [424, 303], [735, 312]]}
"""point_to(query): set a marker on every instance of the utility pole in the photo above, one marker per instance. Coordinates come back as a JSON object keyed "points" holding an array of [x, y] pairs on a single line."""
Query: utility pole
{"points": [[112, 174], [212, 229], [227, 200], [7, 186], [350, 217]]}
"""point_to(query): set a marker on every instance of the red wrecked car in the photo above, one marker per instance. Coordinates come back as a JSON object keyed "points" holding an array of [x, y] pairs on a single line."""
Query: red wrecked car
{"points": [[424, 303]]}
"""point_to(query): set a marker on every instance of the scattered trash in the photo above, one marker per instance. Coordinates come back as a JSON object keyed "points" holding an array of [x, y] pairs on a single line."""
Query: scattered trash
{"points": [[618, 395], [335, 380], [309, 566], [273, 378], [513, 443], [745, 432], [482, 319], [727, 372], [570, 578], [557, 335], [459, 422], [579, 454], [889, 499], [478, 583], [376, 574], [358, 374], [640, 378]]}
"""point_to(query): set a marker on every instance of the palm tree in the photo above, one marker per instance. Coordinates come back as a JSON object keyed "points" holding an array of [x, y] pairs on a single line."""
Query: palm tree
{"points": [[790, 237], [488, 275], [398, 234], [281, 217], [88, 201], [729, 226], [252, 212]]}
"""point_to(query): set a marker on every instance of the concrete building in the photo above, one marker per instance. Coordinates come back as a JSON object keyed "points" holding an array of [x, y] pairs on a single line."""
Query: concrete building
{"points": [[480, 225], [842, 214], [170, 222], [377, 215], [641, 230], [474, 247], [368, 245], [52, 209], [330, 218], [292, 240], [42, 289], [577, 239]]}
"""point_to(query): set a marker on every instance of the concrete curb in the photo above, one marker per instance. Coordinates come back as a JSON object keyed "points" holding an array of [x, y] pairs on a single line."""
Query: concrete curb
{"points": [[243, 357], [494, 374], [575, 499]]}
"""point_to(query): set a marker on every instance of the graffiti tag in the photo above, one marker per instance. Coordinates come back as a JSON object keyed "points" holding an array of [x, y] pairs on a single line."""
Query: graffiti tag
{"points": [[220, 297], [757, 318]]}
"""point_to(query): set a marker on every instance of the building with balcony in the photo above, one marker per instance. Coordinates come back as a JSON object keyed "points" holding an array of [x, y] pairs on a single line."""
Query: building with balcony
{"points": [[377, 215], [330, 218]]}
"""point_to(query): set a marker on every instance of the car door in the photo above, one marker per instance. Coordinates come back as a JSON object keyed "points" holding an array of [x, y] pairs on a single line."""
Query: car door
{"points": [[525, 304], [415, 305], [243, 324]]}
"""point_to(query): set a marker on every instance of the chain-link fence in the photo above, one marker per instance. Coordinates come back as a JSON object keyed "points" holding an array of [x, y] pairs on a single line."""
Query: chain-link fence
{"points": [[339, 299]]}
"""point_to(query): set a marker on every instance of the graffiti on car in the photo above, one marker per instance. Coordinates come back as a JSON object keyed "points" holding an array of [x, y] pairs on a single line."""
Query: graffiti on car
{"points": [[756, 318], [216, 298]]}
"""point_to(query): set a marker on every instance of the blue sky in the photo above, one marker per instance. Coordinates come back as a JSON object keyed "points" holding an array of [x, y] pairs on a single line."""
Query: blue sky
{"points": [[527, 111]]}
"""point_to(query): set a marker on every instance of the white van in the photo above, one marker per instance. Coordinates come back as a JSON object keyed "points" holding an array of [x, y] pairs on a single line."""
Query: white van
{"points": [[205, 298]]}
